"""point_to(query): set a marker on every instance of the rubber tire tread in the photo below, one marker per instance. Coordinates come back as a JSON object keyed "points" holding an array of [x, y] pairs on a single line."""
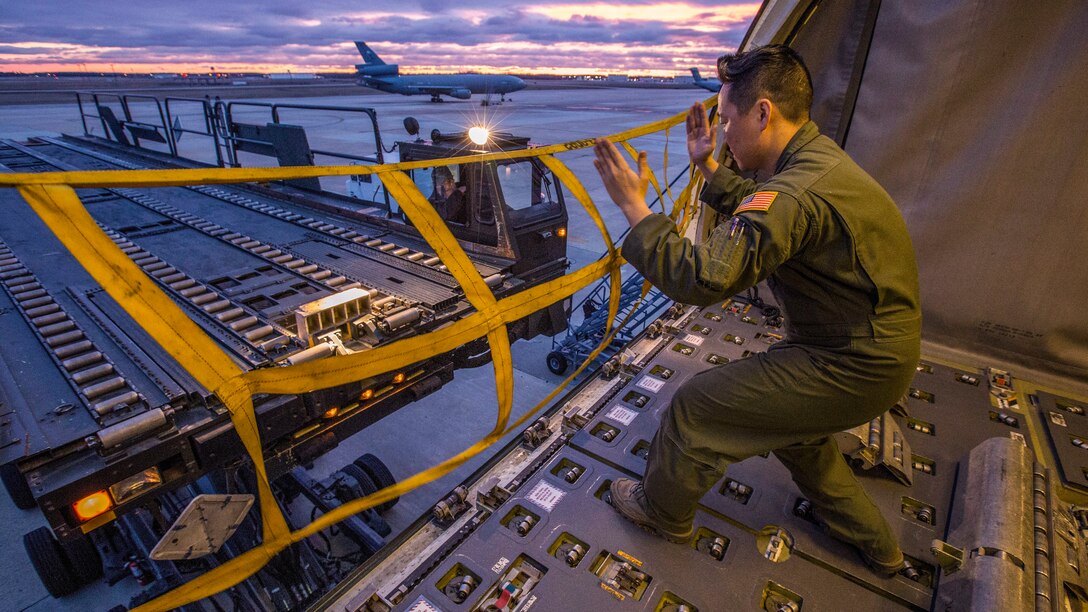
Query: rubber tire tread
{"points": [[557, 363], [366, 483], [16, 486], [49, 561], [380, 474], [83, 559]]}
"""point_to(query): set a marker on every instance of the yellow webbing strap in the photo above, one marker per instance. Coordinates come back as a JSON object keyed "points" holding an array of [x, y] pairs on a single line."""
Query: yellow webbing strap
{"points": [[665, 167], [488, 316], [579, 191], [333, 371], [426, 219], [52, 197], [61, 210], [220, 176]]}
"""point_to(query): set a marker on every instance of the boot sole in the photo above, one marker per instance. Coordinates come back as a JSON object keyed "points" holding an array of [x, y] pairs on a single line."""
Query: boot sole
{"points": [[648, 528]]}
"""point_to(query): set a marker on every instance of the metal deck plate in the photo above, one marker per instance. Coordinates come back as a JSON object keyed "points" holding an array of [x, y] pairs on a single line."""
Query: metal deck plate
{"points": [[203, 527]]}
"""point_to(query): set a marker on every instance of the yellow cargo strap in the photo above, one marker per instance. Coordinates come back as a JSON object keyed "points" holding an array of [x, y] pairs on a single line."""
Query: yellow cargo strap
{"points": [[52, 197]]}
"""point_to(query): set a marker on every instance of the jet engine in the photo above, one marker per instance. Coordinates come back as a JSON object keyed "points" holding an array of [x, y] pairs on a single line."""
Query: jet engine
{"points": [[377, 70]]}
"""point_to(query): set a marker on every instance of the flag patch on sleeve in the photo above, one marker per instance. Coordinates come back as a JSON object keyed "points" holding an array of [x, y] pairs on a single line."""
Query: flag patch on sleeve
{"points": [[760, 200]]}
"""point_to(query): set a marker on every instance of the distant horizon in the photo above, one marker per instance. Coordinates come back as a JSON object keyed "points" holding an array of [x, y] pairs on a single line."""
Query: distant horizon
{"points": [[650, 38], [338, 73]]}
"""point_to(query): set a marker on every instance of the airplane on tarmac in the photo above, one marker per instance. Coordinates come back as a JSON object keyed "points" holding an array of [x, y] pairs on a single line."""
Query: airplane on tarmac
{"points": [[376, 74], [707, 84]]}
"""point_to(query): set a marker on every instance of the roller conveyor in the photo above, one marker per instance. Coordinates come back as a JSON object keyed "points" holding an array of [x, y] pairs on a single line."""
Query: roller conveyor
{"points": [[272, 274]]}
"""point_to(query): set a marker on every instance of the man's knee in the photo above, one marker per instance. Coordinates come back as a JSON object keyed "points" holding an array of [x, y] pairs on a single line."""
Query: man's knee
{"points": [[701, 403], [689, 404]]}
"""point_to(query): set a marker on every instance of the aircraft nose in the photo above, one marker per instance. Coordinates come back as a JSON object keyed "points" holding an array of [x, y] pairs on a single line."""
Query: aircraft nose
{"points": [[516, 83]]}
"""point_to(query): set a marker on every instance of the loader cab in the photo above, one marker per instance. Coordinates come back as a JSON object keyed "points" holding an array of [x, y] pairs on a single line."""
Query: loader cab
{"points": [[509, 208]]}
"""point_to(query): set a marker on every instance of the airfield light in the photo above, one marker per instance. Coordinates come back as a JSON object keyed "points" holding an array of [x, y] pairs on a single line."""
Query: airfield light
{"points": [[479, 135], [92, 505]]}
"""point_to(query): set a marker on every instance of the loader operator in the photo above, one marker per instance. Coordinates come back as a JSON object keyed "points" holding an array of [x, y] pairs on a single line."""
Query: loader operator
{"points": [[834, 250]]}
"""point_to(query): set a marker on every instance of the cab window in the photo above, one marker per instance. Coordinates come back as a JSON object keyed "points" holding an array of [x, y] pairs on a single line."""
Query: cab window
{"points": [[445, 190], [529, 190]]}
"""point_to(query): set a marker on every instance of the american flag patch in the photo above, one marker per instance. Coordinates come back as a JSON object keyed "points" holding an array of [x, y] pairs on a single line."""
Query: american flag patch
{"points": [[760, 200]]}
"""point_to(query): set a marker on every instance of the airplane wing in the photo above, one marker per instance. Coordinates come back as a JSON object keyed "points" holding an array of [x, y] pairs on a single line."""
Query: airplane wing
{"points": [[397, 85]]}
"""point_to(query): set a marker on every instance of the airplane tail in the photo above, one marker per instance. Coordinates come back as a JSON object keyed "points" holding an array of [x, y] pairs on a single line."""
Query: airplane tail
{"points": [[369, 57], [694, 72], [373, 67]]}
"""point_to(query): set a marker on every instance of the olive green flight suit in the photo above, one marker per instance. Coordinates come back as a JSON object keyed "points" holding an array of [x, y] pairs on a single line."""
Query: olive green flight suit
{"points": [[837, 255]]}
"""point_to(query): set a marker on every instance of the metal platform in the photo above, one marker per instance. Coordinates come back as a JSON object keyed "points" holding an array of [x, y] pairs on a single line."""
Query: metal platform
{"points": [[755, 547]]}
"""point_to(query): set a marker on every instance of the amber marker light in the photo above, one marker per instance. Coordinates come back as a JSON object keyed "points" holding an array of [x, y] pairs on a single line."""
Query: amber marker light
{"points": [[561, 232], [92, 505], [365, 395], [332, 412], [398, 378]]}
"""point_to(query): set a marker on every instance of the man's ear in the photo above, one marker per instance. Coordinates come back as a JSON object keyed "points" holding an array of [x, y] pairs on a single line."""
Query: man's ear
{"points": [[764, 106]]}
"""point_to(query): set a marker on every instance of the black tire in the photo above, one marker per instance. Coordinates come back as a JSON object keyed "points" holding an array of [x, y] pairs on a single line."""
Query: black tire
{"points": [[557, 363], [366, 483], [83, 559], [48, 560], [380, 474], [18, 489]]}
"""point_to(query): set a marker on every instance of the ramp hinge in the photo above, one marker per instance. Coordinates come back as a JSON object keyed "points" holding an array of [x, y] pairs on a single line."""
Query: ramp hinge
{"points": [[948, 557]]}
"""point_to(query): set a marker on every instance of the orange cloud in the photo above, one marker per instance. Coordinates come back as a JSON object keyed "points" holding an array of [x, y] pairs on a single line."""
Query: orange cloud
{"points": [[673, 12]]}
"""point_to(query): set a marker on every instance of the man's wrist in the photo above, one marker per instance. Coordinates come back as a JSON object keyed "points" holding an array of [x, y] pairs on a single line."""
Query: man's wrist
{"points": [[636, 212], [707, 167]]}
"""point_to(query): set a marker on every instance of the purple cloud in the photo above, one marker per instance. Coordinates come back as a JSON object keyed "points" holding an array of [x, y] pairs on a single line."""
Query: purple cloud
{"points": [[318, 33]]}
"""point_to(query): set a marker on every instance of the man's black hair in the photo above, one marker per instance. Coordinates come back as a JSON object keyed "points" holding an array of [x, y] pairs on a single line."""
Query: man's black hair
{"points": [[442, 173], [775, 72]]}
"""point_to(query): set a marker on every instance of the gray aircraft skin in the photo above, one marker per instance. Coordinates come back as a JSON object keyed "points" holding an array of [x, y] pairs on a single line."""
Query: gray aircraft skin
{"points": [[376, 74], [708, 84]]}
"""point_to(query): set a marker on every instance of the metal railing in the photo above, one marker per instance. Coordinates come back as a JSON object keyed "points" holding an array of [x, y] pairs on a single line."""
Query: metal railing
{"points": [[212, 129], [274, 110], [135, 129]]}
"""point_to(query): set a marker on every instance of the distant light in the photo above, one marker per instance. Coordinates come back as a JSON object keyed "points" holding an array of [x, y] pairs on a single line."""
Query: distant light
{"points": [[479, 135]]}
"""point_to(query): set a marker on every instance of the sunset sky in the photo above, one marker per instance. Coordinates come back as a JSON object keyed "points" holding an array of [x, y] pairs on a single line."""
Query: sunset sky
{"points": [[650, 37]]}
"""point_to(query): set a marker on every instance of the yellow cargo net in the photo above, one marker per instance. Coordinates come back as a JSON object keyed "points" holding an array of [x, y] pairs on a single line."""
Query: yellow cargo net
{"points": [[52, 196]]}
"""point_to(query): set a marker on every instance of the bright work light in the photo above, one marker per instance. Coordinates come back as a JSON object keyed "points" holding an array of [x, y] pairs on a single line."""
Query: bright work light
{"points": [[478, 135]]}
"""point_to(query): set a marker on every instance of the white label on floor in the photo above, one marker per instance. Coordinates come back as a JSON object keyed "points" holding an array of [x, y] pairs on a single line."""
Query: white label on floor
{"points": [[422, 605], [1018, 437], [622, 415], [545, 495], [1057, 419], [651, 384], [693, 339]]}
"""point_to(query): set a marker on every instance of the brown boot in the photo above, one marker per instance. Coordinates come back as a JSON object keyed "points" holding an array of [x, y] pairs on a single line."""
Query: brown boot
{"points": [[884, 569], [629, 500]]}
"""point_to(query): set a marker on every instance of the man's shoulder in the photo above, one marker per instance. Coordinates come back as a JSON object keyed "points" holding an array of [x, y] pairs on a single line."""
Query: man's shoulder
{"points": [[815, 166]]}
